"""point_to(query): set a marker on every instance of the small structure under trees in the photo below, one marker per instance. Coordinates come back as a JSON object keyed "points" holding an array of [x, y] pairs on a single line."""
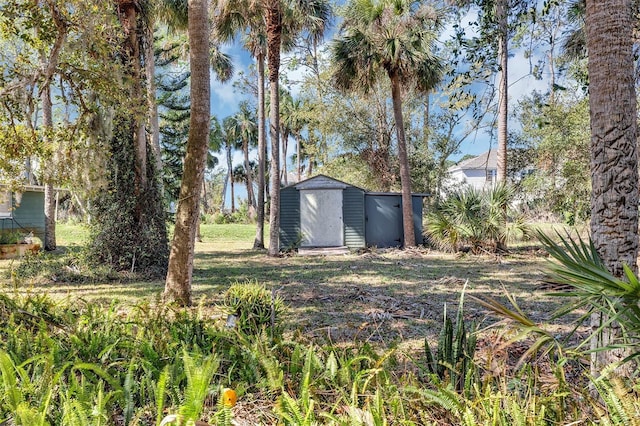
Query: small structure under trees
{"points": [[325, 212]]}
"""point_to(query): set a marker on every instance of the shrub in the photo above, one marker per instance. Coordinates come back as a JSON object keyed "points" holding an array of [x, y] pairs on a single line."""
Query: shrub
{"points": [[254, 308], [475, 220]]}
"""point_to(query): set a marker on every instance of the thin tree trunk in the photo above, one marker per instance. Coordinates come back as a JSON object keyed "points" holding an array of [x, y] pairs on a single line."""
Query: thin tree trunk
{"points": [[405, 176], [179, 275], [154, 121], [249, 182], [614, 162], [49, 196], [285, 147], [230, 177], [224, 191], [274, 34], [258, 243], [503, 84], [298, 153]]}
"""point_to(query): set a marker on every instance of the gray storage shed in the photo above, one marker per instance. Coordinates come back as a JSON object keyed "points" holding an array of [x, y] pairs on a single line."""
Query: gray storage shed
{"points": [[325, 212], [383, 215], [23, 212], [322, 212]]}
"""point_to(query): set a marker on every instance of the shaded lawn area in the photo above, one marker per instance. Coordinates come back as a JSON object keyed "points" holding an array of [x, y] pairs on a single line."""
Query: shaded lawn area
{"points": [[384, 297]]}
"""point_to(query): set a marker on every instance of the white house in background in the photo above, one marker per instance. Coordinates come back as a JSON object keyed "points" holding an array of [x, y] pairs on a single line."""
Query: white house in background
{"points": [[479, 172]]}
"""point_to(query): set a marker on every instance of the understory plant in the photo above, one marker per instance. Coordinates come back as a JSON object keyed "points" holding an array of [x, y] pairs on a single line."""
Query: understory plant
{"points": [[476, 220], [86, 363]]}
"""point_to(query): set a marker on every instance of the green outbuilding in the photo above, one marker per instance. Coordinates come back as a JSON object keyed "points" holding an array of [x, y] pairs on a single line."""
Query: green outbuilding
{"points": [[23, 211], [322, 212]]}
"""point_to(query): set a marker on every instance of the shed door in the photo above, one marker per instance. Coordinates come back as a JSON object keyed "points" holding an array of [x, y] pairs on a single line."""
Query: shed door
{"points": [[321, 218], [384, 220]]}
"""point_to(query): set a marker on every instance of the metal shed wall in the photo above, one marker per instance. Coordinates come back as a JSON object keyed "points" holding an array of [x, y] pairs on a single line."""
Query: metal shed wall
{"points": [[289, 217], [353, 216], [383, 213], [28, 216]]}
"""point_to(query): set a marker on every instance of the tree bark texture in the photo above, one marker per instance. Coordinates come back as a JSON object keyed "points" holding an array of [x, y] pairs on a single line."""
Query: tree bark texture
{"points": [[258, 243], [179, 275], [614, 162], [274, 34], [154, 121], [503, 90], [128, 13], [49, 192], [251, 199], [405, 176]]}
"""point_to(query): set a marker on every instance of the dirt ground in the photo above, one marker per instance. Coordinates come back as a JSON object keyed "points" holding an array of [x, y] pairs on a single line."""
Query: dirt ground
{"points": [[386, 297]]}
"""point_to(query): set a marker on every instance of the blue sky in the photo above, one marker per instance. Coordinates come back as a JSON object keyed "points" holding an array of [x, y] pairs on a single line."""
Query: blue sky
{"points": [[225, 99]]}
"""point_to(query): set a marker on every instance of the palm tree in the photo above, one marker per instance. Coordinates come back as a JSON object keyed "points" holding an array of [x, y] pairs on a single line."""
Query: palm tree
{"points": [[232, 18], [231, 137], [614, 162], [272, 26], [394, 37], [246, 121]]}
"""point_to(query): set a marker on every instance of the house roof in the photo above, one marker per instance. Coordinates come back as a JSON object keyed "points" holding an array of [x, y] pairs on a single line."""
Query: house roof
{"points": [[486, 160]]}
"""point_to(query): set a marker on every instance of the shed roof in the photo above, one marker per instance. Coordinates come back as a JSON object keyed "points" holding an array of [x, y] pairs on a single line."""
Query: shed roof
{"points": [[322, 182]]}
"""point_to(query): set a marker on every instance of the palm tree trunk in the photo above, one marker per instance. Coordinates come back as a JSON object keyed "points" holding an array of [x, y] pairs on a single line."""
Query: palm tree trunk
{"points": [[298, 154], [230, 178], [274, 33], [178, 283], [614, 161], [405, 176], [258, 243], [285, 147], [225, 182], [249, 181], [501, 13]]}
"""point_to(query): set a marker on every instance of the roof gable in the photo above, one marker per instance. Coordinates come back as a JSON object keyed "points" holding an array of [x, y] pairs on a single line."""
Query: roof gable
{"points": [[486, 160], [322, 182]]}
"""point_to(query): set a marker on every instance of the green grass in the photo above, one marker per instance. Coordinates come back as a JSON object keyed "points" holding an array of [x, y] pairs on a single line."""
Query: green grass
{"points": [[381, 296]]}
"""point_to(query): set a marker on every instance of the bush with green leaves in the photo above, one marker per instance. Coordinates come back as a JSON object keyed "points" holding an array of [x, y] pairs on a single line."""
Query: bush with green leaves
{"points": [[254, 308], [476, 220]]}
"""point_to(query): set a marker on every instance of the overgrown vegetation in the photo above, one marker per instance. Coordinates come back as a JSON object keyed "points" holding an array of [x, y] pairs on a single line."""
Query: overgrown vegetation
{"points": [[469, 219], [129, 229], [141, 363], [64, 363]]}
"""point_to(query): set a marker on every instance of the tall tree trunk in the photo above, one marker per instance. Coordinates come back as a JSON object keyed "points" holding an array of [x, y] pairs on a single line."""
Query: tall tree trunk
{"points": [[49, 192], [503, 84], [298, 154], [614, 162], [129, 20], [274, 34], [154, 121], [285, 148], [258, 243], [179, 275], [405, 176], [251, 201], [230, 177], [224, 191]]}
